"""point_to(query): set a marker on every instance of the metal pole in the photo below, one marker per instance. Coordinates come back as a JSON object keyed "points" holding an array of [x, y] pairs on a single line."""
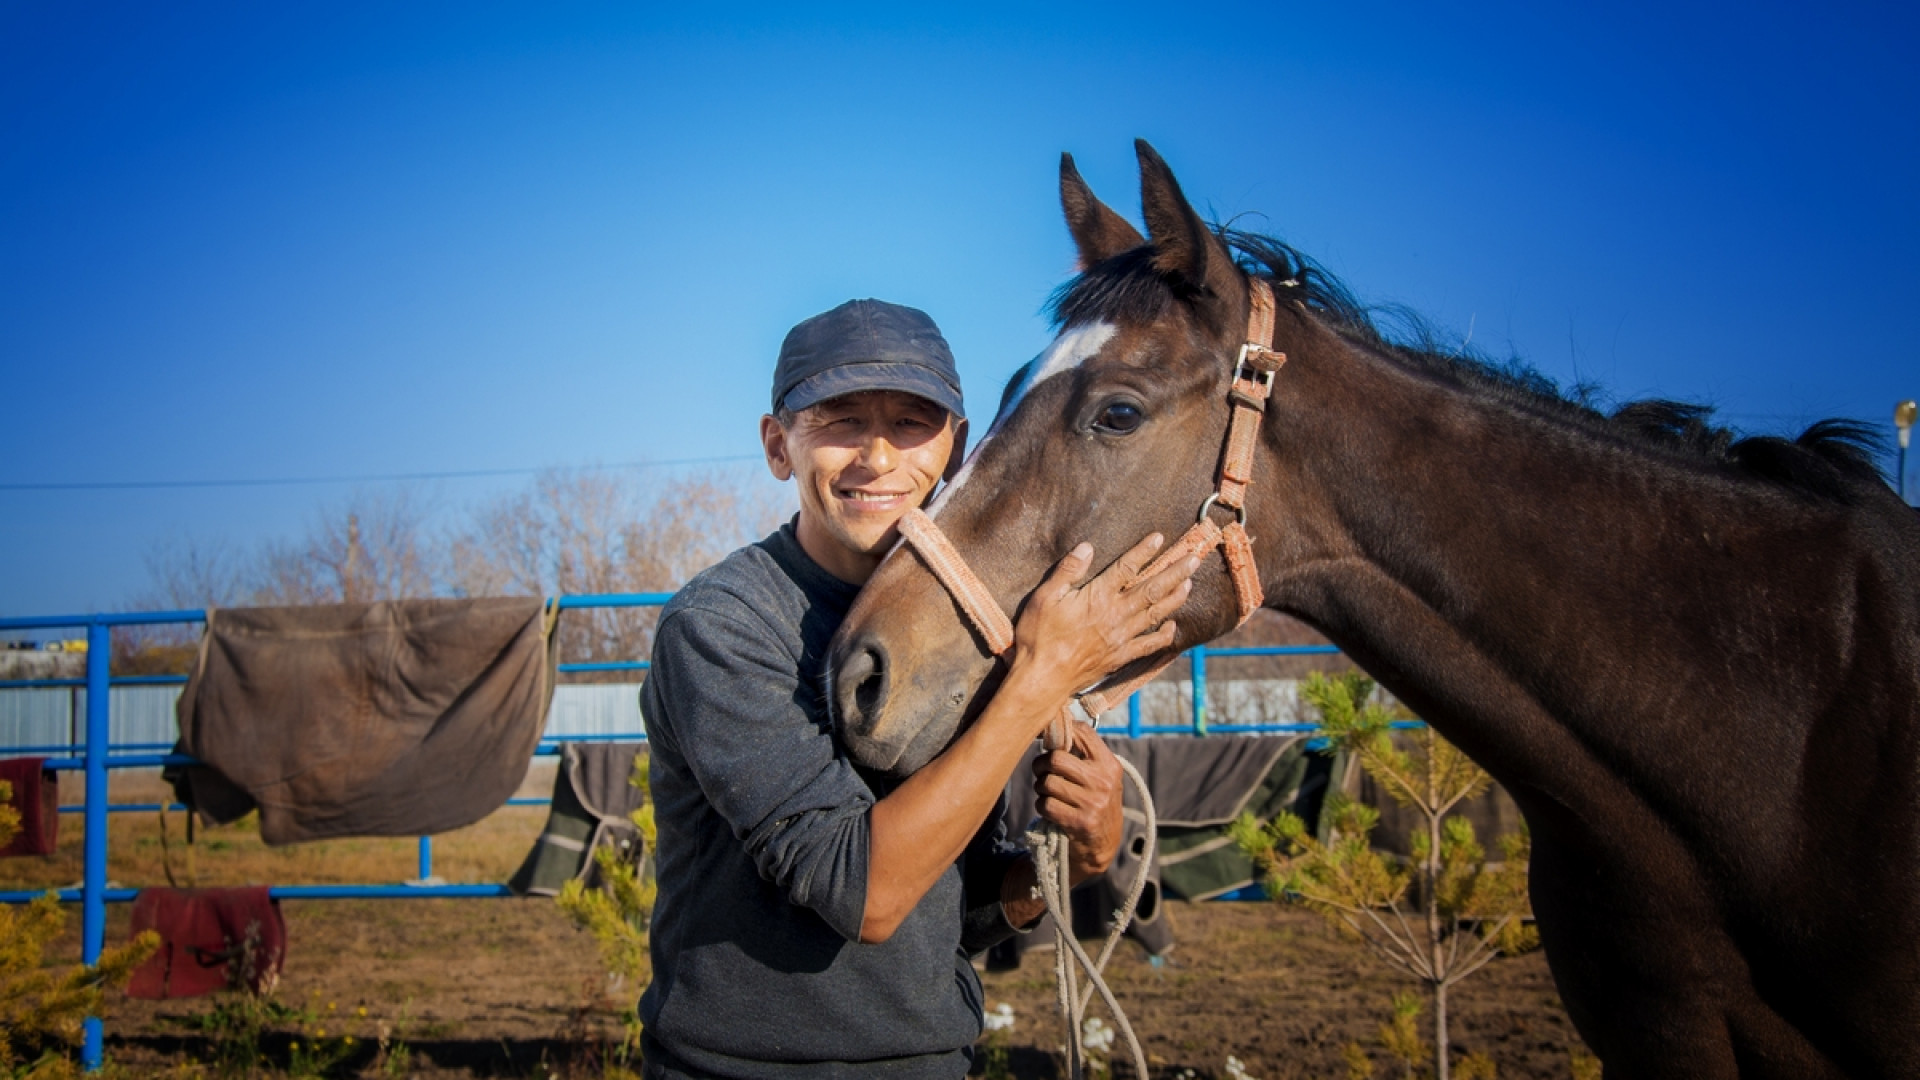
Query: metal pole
{"points": [[1904, 415], [93, 907], [1133, 715], [426, 858], [1198, 656]]}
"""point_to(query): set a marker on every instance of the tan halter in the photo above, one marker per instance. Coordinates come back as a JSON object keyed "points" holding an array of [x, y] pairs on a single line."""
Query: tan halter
{"points": [[1253, 373]]}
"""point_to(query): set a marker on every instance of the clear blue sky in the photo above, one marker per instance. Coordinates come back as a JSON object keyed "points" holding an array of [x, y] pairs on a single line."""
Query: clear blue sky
{"points": [[256, 241]]}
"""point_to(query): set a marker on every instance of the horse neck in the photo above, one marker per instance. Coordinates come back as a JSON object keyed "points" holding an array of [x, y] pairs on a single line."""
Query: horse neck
{"points": [[1537, 590]]}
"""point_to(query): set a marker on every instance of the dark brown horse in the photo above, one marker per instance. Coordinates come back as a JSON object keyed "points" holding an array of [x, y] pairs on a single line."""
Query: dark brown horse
{"points": [[1694, 661]]}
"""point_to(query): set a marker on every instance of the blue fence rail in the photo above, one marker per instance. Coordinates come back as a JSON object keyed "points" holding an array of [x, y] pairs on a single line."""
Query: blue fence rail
{"points": [[95, 757]]}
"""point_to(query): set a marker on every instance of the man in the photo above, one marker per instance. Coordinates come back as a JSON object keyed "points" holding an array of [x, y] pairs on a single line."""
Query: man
{"points": [[811, 920]]}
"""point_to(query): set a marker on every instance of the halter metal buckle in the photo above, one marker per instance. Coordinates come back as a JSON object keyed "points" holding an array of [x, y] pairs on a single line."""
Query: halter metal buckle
{"points": [[1263, 374]]}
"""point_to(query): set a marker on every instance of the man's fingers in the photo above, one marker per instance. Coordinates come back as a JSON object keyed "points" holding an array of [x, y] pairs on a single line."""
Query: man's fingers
{"points": [[1128, 566], [1063, 799], [1089, 746], [1169, 602], [1067, 573], [1068, 805], [1153, 641], [1071, 765], [1170, 578], [1160, 597], [1091, 754]]}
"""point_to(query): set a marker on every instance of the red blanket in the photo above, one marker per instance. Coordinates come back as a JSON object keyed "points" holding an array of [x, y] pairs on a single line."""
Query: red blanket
{"points": [[36, 794], [210, 940]]}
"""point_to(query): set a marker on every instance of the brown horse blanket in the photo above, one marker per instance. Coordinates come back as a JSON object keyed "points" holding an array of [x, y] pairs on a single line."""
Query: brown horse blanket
{"points": [[210, 940], [36, 796], [401, 718], [593, 794]]}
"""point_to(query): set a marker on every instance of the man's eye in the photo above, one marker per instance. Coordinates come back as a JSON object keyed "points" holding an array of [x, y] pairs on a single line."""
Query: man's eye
{"points": [[1119, 418]]}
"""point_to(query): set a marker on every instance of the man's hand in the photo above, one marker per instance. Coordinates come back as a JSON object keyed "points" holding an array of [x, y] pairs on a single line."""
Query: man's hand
{"points": [[1080, 792], [1071, 634]]}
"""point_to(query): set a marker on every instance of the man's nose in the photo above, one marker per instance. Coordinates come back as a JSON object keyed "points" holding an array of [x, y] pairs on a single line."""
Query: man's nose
{"points": [[880, 454]]}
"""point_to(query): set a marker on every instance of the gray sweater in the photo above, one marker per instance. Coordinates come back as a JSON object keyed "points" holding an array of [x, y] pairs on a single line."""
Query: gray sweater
{"points": [[762, 863]]}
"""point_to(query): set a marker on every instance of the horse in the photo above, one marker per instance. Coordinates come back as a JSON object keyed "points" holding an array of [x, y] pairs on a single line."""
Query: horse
{"points": [[1692, 659]]}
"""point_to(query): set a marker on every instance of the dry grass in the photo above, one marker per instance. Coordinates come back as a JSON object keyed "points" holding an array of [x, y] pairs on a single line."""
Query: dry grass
{"points": [[487, 851]]}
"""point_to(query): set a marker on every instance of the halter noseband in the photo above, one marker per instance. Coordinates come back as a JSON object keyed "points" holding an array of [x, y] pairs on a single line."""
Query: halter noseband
{"points": [[1253, 372]]}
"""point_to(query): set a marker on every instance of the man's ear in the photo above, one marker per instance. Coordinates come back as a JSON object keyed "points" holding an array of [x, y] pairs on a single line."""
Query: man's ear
{"points": [[959, 455], [773, 439]]}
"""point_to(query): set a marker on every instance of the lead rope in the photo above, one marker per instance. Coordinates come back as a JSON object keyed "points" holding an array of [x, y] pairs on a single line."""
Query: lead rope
{"points": [[1253, 373], [1049, 847]]}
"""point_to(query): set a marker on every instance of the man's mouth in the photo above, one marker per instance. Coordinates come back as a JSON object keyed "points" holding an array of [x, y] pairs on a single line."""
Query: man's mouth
{"points": [[872, 499]]}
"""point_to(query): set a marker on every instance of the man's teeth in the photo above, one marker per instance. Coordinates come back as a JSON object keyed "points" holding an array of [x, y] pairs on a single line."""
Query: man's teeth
{"points": [[864, 496]]}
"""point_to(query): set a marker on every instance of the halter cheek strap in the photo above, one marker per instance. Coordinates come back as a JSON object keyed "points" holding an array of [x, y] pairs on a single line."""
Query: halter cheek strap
{"points": [[940, 556], [1253, 372]]}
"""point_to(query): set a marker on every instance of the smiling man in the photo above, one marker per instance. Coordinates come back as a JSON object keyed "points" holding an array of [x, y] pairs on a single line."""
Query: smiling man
{"points": [[811, 920]]}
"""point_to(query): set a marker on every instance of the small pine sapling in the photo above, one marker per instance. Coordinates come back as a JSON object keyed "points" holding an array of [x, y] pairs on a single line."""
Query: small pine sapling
{"points": [[1441, 915], [616, 913], [42, 1008]]}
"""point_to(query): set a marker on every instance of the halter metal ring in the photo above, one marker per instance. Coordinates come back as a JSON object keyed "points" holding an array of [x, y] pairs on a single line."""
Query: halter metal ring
{"points": [[1239, 512]]}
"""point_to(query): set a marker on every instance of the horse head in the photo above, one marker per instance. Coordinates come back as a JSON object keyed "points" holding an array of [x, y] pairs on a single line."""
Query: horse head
{"points": [[1113, 433]]}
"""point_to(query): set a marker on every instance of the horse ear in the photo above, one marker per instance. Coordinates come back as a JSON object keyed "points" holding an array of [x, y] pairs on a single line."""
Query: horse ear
{"points": [[1097, 231], [1184, 248]]}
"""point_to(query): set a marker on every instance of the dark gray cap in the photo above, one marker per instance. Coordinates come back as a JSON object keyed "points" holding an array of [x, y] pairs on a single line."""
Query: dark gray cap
{"points": [[866, 345]]}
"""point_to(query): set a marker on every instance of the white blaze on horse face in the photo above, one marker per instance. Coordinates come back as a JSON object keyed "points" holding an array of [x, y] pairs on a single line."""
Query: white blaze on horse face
{"points": [[1068, 351]]}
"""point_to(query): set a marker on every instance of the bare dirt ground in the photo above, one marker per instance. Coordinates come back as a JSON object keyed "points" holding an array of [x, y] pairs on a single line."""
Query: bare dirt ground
{"points": [[481, 988], [507, 987]]}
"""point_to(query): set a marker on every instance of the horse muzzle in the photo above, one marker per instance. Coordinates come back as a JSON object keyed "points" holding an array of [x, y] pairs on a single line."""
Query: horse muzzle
{"points": [[904, 673]]}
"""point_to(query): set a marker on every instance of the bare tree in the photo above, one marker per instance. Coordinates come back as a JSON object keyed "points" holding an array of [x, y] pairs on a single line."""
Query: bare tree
{"points": [[571, 531], [372, 547], [185, 574], [192, 573], [694, 522], [586, 531]]}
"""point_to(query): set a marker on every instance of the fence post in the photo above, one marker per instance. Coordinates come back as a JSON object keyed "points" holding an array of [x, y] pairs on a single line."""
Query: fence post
{"points": [[1198, 657], [93, 897]]}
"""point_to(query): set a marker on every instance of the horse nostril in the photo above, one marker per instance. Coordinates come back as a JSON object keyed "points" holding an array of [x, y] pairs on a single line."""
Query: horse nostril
{"points": [[861, 686]]}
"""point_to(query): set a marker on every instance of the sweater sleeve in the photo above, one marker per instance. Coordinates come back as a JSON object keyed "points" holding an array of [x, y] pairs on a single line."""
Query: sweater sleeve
{"points": [[988, 858], [737, 707]]}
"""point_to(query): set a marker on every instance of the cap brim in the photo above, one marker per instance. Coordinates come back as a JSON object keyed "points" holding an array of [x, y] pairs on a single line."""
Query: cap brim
{"points": [[862, 378]]}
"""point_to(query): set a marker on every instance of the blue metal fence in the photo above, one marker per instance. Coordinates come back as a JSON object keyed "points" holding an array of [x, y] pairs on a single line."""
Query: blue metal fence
{"points": [[94, 756]]}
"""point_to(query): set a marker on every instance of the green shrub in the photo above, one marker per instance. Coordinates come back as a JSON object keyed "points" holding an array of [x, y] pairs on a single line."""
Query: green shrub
{"points": [[43, 1007]]}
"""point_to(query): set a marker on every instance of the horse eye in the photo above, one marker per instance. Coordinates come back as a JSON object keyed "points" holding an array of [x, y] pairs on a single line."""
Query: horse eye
{"points": [[1119, 418]]}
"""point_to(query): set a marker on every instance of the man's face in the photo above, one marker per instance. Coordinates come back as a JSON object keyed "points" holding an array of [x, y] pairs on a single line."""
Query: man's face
{"points": [[861, 462]]}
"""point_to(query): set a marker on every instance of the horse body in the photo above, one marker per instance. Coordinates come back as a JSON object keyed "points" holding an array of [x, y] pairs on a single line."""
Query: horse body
{"points": [[1700, 693], [1701, 686]]}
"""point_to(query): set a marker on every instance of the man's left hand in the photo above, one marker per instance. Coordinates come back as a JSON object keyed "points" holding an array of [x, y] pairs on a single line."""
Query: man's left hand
{"points": [[1080, 791]]}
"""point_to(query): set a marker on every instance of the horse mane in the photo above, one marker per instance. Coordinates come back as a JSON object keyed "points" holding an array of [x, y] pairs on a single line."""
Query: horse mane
{"points": [[1831, 459]]}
